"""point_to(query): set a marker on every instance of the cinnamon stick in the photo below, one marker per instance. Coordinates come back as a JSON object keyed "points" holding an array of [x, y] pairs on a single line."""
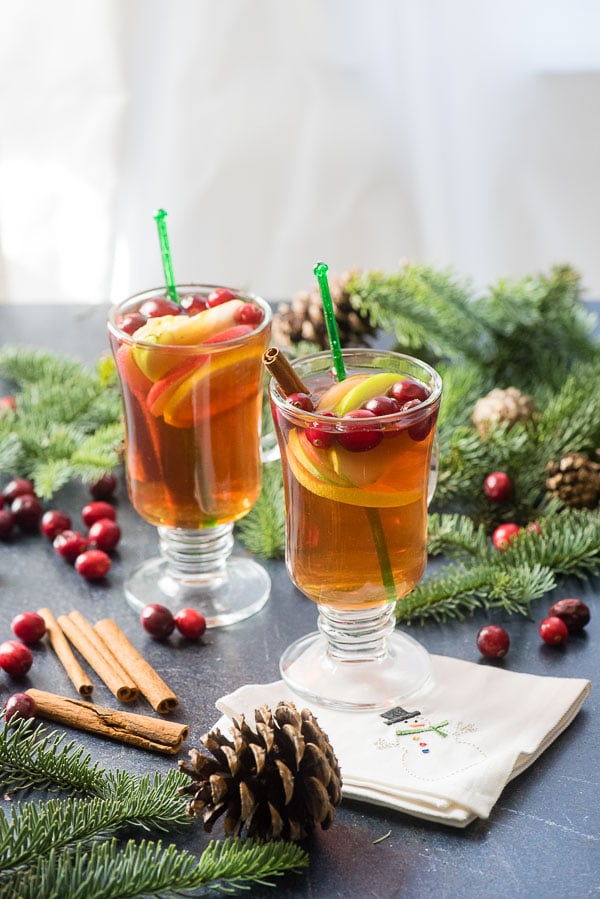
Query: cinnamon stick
{"points": [[149, 683], [65, 654], [86, 641], [143, 731], [284, 374]]}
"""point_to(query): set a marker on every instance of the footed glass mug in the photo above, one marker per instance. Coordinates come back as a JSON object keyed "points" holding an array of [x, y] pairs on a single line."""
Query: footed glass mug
{"points": [[191, 378], [359, 470]]}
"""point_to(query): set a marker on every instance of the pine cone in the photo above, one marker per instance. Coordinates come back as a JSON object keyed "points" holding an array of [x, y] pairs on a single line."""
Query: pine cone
{"points": [[502, 407], [277, 782], [303, 318], [575, 480]]}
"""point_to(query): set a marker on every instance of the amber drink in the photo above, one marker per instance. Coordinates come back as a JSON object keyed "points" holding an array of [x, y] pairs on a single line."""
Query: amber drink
{"points": [[357, 461], [191, 380]]}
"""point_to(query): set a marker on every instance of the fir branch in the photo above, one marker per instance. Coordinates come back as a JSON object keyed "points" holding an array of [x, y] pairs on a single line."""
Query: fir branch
{"points": [[456, 534], [263, 530], [146, 869]]}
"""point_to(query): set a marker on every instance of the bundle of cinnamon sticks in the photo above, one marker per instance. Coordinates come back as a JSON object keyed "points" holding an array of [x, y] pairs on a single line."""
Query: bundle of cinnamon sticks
{"points": [[125, 672]]}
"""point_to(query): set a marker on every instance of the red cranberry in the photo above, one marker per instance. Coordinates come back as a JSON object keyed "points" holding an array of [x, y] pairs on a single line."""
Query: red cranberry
{"points": [[498, 487], [553, 630], [159, 306], [192, 305], [27, 510], [360, 440], [318, 436], [17, 487], [7, 523], [104, 534], [573, 612], [421, 429], [70, 544], [533, 528], [15, 658], [20, 705], [220, 295], [93, 564], [190, 623], [54, 522], [301, 401], [104, 487], [28, 626], [407, 389], [493, 641], [382, 405], [131, 322], [157, 620], [92, 512], [248, 314], [7, 404], [504, 535]]}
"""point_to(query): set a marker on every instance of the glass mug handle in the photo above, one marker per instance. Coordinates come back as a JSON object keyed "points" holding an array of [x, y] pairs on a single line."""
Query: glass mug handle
{"points": [[433, 466]]}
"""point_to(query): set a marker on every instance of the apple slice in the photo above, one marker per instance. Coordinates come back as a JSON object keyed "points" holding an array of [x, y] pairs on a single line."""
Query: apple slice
{"points": [[328, 402], [180, 330], [367, 389], [315, 461]]}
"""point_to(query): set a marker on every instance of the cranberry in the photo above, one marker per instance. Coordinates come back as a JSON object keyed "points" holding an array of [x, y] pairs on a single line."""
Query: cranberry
{"points": [[104, 534], [20, 705], [533, 528], [190, 623], [27, 510], [363, 439], [93, 564], [192, 305], [7, 404], [104, 487], [15, 658], [498, 487], [131, 322], [70, 544], [158, 306], [17, 487], [493, 641], [7, 523], [573, 612], [301, 401], [317, 436], [382, 405], [157, 620], [406, 389], [92, 512], [28, 626], [553, 630], [54, 522], [504, 535], [220, 295], [421, 429], [248, 314]]}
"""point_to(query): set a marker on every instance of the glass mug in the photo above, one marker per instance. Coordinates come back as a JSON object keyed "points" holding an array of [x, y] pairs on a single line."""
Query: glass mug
{"points": [[356, 497], [192, 400]]}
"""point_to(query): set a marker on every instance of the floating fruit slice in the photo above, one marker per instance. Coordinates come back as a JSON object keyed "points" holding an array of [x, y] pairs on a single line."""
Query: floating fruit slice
{"points": [[330, 399], [353, 496], [359, 394], [316, 461], [179, 330]]}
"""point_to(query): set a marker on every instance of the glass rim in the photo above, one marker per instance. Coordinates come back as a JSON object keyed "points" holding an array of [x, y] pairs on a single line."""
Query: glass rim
{"points": [[245, 295], [331, 422]]}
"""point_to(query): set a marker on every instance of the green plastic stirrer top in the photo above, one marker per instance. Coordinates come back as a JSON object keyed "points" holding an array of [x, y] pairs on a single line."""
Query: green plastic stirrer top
{"points": [[320, 270], [160, 215]]}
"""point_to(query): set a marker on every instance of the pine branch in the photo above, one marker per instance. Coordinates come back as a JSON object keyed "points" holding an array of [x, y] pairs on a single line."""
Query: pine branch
{"points": [[263, 530], [146, 869], [456, 534]]}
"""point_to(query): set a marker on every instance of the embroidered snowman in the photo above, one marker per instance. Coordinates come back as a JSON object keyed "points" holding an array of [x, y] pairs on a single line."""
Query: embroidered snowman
{"points": [[430, 749]]}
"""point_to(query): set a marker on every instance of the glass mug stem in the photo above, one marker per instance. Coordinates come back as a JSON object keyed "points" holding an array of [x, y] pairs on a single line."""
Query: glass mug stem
{"points": [[196, 555], [358, 634]]}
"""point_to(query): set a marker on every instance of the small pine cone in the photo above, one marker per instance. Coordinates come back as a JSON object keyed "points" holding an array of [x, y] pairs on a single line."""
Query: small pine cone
{"points": [[502, 407], [303, 319], [575, 480], [279, 781]]}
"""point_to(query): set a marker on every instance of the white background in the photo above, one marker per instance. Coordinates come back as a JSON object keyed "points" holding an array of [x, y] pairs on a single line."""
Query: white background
{"points": [[460, 133]]}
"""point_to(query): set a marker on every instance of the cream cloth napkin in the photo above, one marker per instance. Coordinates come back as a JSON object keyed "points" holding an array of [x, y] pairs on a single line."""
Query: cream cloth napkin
{"points": [[451, 749]]}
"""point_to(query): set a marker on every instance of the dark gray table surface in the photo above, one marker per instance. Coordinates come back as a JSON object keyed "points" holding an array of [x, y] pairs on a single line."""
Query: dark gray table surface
{"points": [[542, 838]]}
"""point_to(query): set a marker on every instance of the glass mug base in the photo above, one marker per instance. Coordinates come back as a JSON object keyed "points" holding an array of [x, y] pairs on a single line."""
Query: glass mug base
{"points": [[195, 570], [355, 679]]}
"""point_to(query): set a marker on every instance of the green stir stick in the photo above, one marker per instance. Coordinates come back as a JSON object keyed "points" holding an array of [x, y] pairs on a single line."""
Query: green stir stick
{"points": [[159, 216], [320, 271], [373, 517]]}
